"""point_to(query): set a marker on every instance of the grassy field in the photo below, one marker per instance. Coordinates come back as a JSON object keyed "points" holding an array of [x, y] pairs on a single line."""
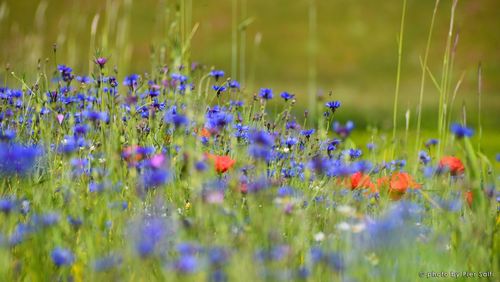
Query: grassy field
{"points": [[121, 159]]}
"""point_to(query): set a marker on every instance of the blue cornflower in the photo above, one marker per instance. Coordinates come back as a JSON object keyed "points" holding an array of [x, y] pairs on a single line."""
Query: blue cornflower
{"points": [[131, 80], [62, 257], [431, 142], [354, 153], [266, 93], [236, 104], [461, 131], [424, 157], [286, 191], [46, 219], [201, 166], [76, 222], [261, 145], [186, 264], [370, 146], [333, 105], [80, 129], [219, 88], [498, 157], [217, 119], [332, 145], [65, 72], [218, 256], [151, 232], [307, 132], [68, 145], [84, 79], [343, 131], [16, 159], [155, 178], [290, 141], [241, 131], [292, 125], [7, 205], [287, 96], [233, 84], [258, 185], [7, 135], [173, 117], [217, 74], [178, 77]]}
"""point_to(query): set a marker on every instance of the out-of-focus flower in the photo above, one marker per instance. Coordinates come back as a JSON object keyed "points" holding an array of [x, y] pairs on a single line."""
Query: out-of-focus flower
{"points": [[131, 80], [217, 74], [101, 61], [343, 131], [453, 164], [222, 163], [61, 257], [461, 131], [16, 159], [399, 183], [287, 96], [266, 93], [360, 180]]}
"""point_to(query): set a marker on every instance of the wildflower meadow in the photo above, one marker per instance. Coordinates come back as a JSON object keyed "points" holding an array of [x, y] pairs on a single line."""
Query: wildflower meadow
{"points": [[186, 172]]}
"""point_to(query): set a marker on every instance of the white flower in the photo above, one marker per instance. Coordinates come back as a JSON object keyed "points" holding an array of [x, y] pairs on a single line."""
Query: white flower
{"points": [[344, 226], [320, 236]]}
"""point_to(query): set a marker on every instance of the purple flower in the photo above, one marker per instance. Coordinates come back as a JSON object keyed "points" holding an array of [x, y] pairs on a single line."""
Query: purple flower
{"points": [[62, 257], [101, 61], [343, 131]]}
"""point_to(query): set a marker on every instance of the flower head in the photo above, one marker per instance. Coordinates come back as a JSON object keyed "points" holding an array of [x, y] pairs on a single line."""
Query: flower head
{"points": [[333, 105], [217, 74], [62, 257], [287, 96], [266, 93], [453, 164], [222, 163], [461, 131]]}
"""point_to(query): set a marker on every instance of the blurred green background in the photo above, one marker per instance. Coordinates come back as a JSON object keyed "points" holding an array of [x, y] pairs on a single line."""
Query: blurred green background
{"points": [[356, 50]]}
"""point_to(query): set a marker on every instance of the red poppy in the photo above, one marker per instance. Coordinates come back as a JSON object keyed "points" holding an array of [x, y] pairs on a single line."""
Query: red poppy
{"points": [[131, 154], [454, 164], [360, 180], [222, 163], [400, 182]]}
